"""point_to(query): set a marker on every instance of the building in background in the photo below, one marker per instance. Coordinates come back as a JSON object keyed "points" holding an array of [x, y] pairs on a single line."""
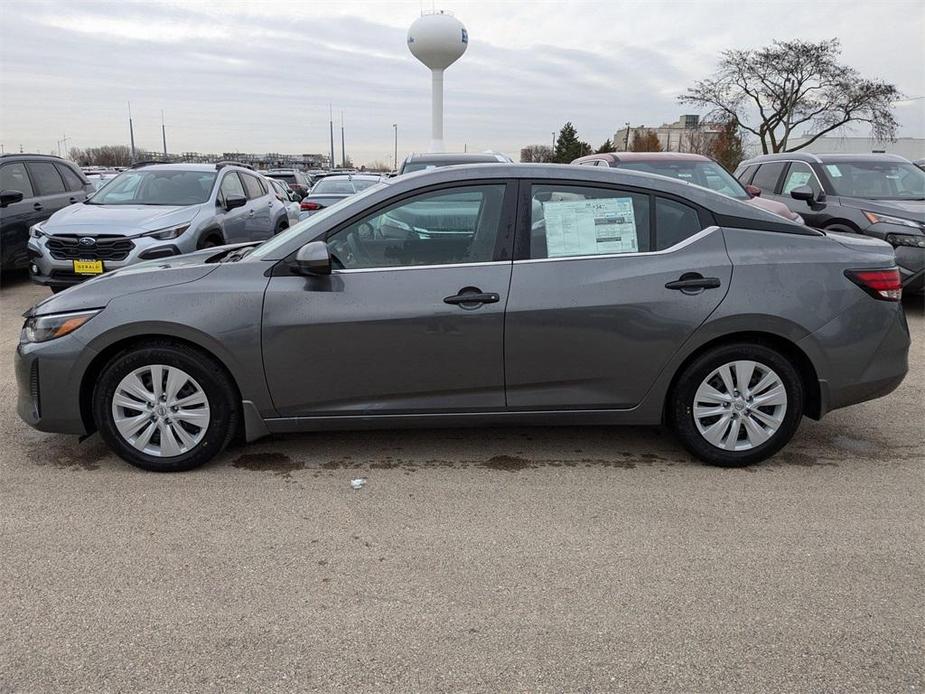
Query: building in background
{"points": [[687, 134], [908, 147]]}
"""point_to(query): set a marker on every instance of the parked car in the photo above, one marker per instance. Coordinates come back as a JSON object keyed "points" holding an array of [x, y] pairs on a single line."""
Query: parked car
{"points": [[295, 179], [149, 212], [288, 197], [878, 195], [693, 168], [32, 188], [920, 163], [512, 294], [100, 177], [420, 162], [334, 188]]}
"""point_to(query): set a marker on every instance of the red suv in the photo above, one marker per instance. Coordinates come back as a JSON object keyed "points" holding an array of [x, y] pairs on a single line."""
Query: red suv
{"points": [[693, 168]]}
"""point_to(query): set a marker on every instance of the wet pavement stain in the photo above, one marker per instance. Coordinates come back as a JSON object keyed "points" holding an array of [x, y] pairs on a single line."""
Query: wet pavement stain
{"points": [[279, 464], [77, 457], [801, 460], [507, 463]]}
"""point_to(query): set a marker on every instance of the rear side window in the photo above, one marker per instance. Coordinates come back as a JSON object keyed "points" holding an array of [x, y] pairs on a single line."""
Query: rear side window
{"points": [[253, 185], [45, 177], [568, 221], [674, 222], [71, 180], [768, 175], [745, 173], [13, 177]]}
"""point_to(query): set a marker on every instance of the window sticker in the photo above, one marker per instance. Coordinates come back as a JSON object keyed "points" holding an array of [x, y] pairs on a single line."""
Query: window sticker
{"points": [[833, 170], [796, 179], [590, 227]]}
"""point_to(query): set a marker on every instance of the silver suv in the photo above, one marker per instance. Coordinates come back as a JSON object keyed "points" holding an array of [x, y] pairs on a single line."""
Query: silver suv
{"points": [[153, 211]]}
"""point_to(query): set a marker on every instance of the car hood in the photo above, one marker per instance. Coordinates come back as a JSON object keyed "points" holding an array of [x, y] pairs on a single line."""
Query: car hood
{"points": [[152, 274], [117, 219], [777, 208], [907, 209]]}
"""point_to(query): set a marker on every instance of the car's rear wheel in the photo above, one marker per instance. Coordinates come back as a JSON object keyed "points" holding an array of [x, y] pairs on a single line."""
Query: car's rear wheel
{"points": [[737, 404], [165, 407]]}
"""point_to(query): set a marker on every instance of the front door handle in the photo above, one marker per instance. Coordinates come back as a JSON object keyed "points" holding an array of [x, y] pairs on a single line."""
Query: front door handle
{"points": [[472, 297], [691, 282], [38, 207]]}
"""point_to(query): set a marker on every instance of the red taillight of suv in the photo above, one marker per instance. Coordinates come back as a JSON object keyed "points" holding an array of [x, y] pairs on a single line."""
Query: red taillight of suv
{"points": [[881, 284], [307, 206]]}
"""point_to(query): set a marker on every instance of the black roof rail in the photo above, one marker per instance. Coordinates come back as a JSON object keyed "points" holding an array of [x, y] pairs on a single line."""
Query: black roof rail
{"points": [[149, 162], [30, 154], [222, 164]]}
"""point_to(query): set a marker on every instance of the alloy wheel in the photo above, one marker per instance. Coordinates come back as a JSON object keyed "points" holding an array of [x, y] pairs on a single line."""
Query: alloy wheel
{"points": [[160, 410], [740, 405]]}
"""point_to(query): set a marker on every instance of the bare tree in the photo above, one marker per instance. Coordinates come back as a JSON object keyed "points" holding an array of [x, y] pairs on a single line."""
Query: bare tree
{"points": [[772, 91], [645, 140], [696, 140], [536, 154]]}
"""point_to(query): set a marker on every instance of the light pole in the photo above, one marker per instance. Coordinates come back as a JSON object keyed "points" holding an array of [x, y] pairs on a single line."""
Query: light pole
{"points": [[395, 160], [626, 142], [553, 146]]}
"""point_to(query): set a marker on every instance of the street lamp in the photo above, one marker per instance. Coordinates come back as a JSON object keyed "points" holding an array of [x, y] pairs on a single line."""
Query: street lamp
{"points": [[395, 161]]}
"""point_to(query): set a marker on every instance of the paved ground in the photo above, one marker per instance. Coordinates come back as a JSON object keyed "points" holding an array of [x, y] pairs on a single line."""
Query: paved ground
{"points": [[510, 559]]}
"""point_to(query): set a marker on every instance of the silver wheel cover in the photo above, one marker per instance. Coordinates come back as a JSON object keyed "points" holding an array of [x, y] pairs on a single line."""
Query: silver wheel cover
{"points": [[740, 405], [160, 411]]}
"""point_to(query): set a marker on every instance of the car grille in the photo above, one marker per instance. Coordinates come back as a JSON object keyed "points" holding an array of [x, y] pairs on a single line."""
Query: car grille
{"points": [[67, 247]]}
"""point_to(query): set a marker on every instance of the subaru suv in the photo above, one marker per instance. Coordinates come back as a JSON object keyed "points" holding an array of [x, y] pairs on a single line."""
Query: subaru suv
{"points": [[878, 195], [150, 212], [32, 188]]}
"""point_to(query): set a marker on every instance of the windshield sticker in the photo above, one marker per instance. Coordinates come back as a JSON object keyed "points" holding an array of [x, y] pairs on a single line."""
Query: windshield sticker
{"points": [[833, 170], [590, 227]]}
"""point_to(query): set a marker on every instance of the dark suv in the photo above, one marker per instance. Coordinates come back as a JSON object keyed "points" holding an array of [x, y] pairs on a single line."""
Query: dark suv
{"points": [[297, 181], [879, 195], [32, 188]]}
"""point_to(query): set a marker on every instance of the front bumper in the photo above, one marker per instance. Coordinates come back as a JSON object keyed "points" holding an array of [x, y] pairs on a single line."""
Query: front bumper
{"points": [[48, 378], [911, 262], [45, 268]]}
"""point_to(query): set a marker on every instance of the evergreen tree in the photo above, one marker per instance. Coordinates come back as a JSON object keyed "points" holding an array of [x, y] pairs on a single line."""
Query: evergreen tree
{"points": [[606, 147], [568, 146]]}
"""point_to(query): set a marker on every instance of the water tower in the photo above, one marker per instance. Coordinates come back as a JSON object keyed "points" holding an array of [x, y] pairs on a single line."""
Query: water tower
{"points": [[438, 40]]}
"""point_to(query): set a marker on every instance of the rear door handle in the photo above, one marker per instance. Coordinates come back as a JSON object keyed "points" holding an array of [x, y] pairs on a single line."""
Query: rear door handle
{"points": [[472, 295], [693, 282]]}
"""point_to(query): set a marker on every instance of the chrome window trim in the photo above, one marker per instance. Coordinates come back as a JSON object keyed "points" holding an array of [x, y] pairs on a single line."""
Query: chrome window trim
{"points": [[350, 271], [703, 233]]}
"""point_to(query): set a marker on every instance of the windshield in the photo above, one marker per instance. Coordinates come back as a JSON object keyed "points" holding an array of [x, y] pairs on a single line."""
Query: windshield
{"points": [[707, 174], [877, 180], [288, 178], [161, 187], [266, 248]]}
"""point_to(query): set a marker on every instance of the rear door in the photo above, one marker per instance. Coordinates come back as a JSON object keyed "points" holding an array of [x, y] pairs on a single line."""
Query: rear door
{"points": [[260, 203], [412, 319], [50, 192], [607, 284]]}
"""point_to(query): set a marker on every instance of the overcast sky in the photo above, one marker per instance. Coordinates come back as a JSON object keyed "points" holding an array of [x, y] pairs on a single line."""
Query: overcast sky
{"points": [[258, 76]]}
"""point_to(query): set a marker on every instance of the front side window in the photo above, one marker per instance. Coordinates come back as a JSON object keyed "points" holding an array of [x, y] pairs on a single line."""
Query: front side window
{"points": [[768, 175], [799, 174], [456, 225], [254, 188], [877, 180], [231, 186], [13, 177], [159, 187], [45, 177], [580, 221]]}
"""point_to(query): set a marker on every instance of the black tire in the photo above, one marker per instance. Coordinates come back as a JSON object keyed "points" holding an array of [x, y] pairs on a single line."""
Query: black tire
{"points": [[681, 401], [55, 290], [281, 226], [211, 239], [222, 397]]}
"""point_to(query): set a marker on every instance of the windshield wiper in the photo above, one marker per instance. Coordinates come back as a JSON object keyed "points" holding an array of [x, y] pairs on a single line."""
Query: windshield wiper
{"points": [[239, 254]]}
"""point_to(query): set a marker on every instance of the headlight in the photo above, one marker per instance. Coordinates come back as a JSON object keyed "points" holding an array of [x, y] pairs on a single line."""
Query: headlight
{"points": [[874, 217], [906, 240], [37, 230], [166, 234], [44, 328]]}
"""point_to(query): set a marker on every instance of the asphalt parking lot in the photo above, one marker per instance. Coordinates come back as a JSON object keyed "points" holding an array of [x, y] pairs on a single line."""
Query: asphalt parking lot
{"points": [[507, 559]]}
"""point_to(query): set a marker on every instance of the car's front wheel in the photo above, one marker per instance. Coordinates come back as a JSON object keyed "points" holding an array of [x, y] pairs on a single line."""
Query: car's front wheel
{"points": [[737, 404], [165, 407]]}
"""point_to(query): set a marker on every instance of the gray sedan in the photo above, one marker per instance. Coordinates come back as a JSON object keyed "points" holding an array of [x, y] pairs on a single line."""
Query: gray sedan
{"points": [[475, 296]]}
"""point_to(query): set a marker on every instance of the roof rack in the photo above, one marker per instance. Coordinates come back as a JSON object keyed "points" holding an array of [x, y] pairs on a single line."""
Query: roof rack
{"points": [[223, 164], [30, 154], [147, 162]]}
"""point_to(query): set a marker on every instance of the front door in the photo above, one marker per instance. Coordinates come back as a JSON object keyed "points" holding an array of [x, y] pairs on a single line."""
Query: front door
{"points": [[234, 222], [799, 174], [602, 295], [412, 319]]}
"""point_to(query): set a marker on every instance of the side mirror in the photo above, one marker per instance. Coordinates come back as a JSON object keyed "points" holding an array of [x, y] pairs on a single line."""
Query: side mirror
{"points": [[8, 197], [754, 191], [803, 193], [313, 258], [235, 201]]}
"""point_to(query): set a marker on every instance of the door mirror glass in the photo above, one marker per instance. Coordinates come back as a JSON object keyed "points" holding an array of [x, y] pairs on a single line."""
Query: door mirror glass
{"points": [[233, 201], [754, 191], [313, 258], [803, 193], [8, 197]]}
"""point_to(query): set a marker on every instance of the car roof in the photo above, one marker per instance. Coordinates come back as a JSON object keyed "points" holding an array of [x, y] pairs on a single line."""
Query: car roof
{"points": [[352, 175], [462, 156], [183, 167], [812, 158], [617, 157]]}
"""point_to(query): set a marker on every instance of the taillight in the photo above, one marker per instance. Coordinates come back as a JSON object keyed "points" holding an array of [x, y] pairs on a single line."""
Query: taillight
{"points": [[880, 284], [307, 206]]}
